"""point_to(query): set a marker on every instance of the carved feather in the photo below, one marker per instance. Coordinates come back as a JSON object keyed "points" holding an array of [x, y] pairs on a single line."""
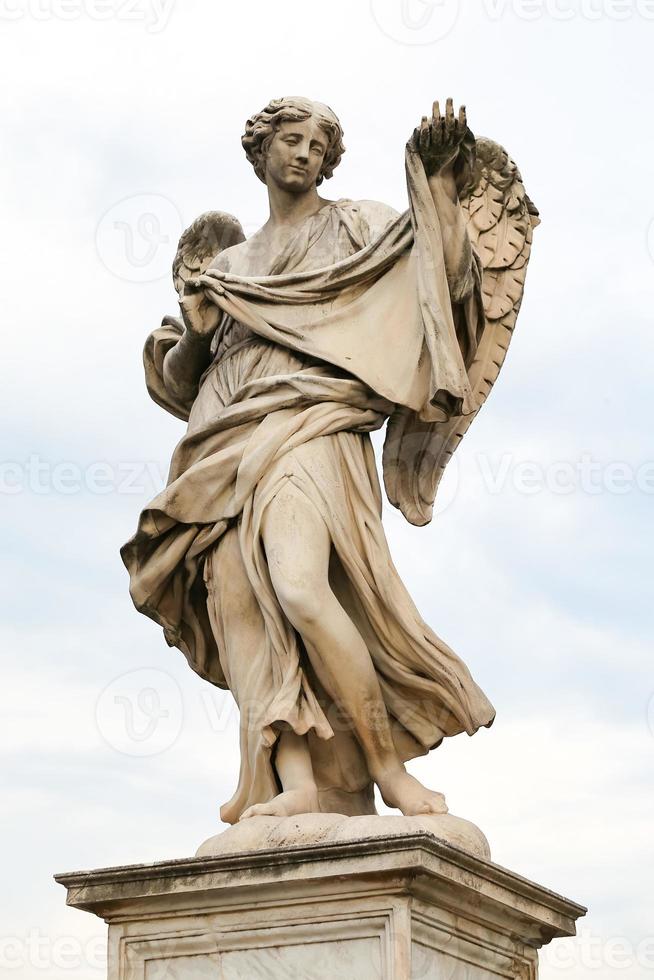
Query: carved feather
{"points": [[501, 219], [210, 234]]}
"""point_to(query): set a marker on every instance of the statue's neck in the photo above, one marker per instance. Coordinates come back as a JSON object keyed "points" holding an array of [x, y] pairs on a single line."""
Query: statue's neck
{"points": [[287, 209]]}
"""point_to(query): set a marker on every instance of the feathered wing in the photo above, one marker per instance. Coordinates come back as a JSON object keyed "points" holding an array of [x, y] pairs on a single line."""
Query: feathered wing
{"points": [[501, 219], [211, 233]]}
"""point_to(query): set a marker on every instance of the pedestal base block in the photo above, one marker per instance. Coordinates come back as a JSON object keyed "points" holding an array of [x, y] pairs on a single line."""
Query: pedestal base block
{"points": [[402, 906]]}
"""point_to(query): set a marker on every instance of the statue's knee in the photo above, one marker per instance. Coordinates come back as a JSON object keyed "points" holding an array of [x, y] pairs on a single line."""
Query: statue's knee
{"points": [[301, 604]]}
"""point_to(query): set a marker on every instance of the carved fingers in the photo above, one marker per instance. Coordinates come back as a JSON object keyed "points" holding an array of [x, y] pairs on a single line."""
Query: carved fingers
{"points": [[211, 281], [450, 127], [437, 139], [198, 303], [424, 135], [449, 119]]}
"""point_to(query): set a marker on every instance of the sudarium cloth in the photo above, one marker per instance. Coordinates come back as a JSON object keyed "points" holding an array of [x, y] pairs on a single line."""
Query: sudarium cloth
{"points": [[355, 319]]}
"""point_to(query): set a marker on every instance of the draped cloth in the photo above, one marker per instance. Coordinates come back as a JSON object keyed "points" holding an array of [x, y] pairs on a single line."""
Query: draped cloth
{"points": [[354, 319]]}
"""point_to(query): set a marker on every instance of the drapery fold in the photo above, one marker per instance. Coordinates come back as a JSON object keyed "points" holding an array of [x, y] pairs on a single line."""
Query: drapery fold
{"points": [[391, 296], [306, 363]]}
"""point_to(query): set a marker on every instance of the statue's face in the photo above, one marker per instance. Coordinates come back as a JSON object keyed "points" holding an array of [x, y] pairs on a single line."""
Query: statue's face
{"points": [[296, 154]]}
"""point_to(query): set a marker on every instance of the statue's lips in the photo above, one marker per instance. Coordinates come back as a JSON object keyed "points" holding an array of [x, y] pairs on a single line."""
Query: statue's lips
{"points": [[298, 170]]}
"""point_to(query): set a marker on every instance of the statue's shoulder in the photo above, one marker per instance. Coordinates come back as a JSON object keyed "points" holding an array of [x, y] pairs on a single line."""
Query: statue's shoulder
{"points": [[229, 258], [371, 210], [374, 216]]}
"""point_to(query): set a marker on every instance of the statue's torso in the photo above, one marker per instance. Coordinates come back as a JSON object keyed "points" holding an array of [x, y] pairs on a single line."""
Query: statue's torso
{"points": [[336, 232]]}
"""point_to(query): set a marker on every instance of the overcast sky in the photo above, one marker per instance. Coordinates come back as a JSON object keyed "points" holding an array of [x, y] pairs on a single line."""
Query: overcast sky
{"points": [[122, 122]]}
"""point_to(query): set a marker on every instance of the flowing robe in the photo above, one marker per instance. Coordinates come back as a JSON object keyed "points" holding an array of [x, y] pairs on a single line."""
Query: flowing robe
{"points": [[354, 319]]}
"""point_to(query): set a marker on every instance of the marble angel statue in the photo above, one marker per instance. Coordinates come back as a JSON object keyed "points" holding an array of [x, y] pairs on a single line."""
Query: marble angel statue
{"points": [[264, 559]]}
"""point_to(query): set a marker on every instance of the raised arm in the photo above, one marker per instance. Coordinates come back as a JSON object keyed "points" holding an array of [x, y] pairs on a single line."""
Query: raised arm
{"points": [[439, 141]]}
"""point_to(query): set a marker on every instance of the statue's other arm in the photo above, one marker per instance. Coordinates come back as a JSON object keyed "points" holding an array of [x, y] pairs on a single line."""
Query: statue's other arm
{"points": [[186, 362], [438, 141], [457, 250]]}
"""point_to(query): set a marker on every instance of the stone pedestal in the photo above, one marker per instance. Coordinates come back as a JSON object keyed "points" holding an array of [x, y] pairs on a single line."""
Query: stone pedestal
{"points": [[404, 905]]}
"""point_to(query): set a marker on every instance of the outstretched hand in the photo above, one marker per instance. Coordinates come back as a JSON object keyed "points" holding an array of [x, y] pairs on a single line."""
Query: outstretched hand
{"points": [[440, 139]]}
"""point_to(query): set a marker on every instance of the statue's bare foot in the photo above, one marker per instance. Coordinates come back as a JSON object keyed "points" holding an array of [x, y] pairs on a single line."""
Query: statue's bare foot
{"points": [[287, 804], [402, 790]]}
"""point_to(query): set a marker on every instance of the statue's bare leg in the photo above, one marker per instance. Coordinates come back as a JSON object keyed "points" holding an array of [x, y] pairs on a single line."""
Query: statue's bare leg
{"points": [[239, 627], [293, 765], [298, 548]]}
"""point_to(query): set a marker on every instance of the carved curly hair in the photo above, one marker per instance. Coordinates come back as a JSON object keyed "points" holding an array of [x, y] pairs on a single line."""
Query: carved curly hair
{"points": [[260, 129]]}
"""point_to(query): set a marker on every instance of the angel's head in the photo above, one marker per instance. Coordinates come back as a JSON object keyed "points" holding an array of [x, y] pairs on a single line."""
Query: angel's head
{"points": [[295, 142]]}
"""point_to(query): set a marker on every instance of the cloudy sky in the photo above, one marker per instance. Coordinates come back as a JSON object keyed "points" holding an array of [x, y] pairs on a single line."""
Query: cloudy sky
{"points": [[122, 123]]}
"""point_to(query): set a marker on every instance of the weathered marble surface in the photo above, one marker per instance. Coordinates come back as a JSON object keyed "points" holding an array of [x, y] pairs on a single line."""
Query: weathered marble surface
{"points": [[401, 907], [265, 558], [258, 833]]}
